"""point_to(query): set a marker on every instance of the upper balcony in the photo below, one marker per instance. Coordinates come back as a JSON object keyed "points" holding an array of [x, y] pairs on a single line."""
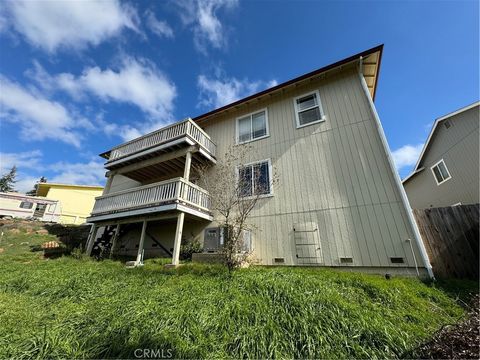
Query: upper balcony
{"points": [[167, 139]]}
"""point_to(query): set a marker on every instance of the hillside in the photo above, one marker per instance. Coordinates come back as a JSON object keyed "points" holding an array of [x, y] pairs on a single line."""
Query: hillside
{"points": [[72, 307]]}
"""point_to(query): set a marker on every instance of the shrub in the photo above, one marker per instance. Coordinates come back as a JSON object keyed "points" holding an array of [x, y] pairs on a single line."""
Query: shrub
{"points": [[190, 247]]}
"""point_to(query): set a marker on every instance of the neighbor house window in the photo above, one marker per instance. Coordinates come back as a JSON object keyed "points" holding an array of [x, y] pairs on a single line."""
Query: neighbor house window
{"points": [[440, 172], [255, 179], [308, 109], [26, 205], [252, 127]]}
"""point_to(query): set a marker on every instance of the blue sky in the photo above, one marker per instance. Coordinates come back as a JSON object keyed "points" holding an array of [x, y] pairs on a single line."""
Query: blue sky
{"points": [[77, 78]]}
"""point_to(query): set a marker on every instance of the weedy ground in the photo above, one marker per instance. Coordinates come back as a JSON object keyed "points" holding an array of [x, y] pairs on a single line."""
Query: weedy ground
{"points": [[73, 307]]}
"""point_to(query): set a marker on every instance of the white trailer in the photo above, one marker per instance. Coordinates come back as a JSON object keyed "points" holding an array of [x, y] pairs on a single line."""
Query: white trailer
{"points": [[22, 206]]}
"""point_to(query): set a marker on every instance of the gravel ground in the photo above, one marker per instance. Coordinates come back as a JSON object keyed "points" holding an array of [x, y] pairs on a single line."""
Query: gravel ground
{"points": [[459, 341]]}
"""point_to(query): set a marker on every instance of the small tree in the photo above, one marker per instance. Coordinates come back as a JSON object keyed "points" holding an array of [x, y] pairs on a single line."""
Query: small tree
{"points": [[7, 181], [33, 192], [232, 198]]}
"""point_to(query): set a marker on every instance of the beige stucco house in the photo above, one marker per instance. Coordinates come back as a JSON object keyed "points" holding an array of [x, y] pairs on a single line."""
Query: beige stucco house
{"points": [[339, 202], [447, 171]]}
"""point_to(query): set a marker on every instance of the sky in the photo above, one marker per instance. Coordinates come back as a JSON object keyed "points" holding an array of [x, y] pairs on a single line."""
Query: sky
{"points": [[77, 78]]}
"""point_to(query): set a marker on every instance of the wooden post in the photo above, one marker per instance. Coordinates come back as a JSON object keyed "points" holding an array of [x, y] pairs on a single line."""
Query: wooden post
{"points": [[142, 241], [178, 239], [91, 239], [108, 185], [114, 241], [188, 162]]}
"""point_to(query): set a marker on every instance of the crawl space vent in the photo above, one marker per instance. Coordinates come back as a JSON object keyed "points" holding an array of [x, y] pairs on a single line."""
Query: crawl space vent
{"points": [[279, 260], [396, 260], [346, 260]]}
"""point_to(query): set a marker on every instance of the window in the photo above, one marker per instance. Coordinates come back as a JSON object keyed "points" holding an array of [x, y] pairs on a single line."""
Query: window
{"points": [[26, 205], [255, 179], [252, 127], [308, 109], [440, 172]]}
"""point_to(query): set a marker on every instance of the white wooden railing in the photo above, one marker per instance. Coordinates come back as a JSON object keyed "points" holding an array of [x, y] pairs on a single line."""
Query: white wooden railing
{"points": [[163, 135], [176, 190]]}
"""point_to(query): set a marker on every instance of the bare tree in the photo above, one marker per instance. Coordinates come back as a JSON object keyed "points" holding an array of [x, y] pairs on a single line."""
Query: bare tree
{"points": [[234, 191]]}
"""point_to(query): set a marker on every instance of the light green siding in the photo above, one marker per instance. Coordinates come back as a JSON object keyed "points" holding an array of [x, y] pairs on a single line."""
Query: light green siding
{"points": [[458, 146], [334, 174]]}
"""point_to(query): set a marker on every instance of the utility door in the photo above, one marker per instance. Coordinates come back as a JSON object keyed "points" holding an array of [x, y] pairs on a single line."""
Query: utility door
{"points": [[39, 210], [307, 244]]}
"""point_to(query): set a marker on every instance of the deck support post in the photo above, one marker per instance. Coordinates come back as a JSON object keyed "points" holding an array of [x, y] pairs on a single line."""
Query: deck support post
{"points": [[140, 245], [114, 240], [91, 239], [188, 163], [178, 239], [108, 185]]}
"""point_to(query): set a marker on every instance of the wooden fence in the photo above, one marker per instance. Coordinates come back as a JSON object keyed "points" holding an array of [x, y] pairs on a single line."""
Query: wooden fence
{"points": [[451, 237]]}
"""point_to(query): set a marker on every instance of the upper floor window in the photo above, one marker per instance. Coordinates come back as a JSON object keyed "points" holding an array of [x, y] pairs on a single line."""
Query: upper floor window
{"points": [[440, 172], [255, 179], [308, 109], [253, 126]]}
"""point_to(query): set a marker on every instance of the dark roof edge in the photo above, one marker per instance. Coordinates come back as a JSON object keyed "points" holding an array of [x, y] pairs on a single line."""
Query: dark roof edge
{"points": [[300, 78]]}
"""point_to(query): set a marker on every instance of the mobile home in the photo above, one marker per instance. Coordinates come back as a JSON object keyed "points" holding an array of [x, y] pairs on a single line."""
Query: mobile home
{"points": [[21, 206]]}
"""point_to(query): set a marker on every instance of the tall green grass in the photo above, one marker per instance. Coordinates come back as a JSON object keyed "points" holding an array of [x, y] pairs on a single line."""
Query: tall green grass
{"points": [[78, 308]]}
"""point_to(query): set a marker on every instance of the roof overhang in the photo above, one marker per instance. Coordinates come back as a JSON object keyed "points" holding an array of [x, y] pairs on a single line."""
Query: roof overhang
{"points": [[370, 59], [43, 188], [419, 168]]}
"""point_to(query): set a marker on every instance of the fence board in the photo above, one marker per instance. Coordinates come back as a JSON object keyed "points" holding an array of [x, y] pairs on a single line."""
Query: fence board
{"points": [[451, 238]]}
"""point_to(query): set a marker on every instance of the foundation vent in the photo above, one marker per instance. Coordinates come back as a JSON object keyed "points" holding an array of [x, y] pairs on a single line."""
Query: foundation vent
{"points": [[279, 260], [396, 260], [346, 260]]}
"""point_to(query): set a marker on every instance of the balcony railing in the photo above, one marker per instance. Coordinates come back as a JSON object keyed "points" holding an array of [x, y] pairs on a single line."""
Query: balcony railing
{"points": [[164, 135], [176, 190]]}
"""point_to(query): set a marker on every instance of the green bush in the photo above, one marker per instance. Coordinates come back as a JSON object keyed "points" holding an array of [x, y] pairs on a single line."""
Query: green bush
{"points": [[189, 248]]}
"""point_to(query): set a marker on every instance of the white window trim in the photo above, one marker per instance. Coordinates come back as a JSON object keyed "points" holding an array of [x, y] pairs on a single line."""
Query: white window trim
{"points": [[270, 180], [237, 134], [434, 176], [320, 107], [457, 204]]}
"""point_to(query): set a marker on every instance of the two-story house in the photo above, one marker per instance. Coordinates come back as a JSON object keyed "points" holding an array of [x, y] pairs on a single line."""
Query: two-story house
{"points": [[339, 201], [447, 171]]}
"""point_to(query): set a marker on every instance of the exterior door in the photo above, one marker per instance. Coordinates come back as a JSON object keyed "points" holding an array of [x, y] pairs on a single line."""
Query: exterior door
{"points": [[39, 210], [307, 244]]}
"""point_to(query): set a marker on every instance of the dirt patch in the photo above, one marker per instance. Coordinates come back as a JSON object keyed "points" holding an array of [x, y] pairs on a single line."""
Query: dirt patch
{"points": [[460, 341], [2, 250]]}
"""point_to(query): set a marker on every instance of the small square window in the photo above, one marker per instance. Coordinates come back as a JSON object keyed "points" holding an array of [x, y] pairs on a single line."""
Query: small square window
{"points": [[26, 205], [440, 172], [308, 109], [252, 127]]}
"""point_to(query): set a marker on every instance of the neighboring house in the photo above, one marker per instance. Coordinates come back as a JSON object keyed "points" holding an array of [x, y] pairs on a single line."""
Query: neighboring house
{"points": [[339, 200], [76, 200], [447, 171], [22, 206]]}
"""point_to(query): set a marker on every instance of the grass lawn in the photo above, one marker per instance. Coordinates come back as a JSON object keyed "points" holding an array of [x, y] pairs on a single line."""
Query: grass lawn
{"points": [[75, 307]]}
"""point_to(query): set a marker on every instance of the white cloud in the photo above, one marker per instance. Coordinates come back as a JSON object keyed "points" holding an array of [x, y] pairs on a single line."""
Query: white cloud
{"points": [[407, 155], [158, 27], [219, 92], [136, 82], [72, 24], [87, 173], [27, 159], [38, 117], [202, 17]]}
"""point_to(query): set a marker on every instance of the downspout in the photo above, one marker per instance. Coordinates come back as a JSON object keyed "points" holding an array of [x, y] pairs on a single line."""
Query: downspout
{"points": [[398, 183]]}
